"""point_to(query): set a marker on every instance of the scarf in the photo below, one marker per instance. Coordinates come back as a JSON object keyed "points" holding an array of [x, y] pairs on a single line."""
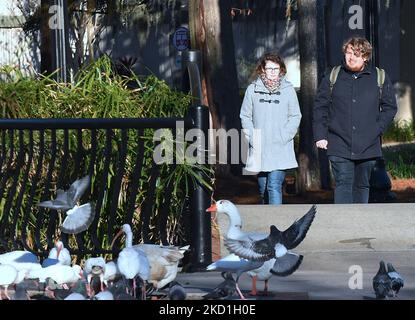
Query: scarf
{"points": [[271, 85]]}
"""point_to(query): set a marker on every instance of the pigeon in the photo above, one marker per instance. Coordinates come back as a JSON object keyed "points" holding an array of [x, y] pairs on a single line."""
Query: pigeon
{"points": [[276, 245], [78, 217], [224, 290], [396, 279], [382, 282], [176, 291], [20, 292]]}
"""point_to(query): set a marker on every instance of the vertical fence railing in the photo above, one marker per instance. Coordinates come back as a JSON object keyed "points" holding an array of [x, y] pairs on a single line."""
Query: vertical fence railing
{"points": [[38, 156]]}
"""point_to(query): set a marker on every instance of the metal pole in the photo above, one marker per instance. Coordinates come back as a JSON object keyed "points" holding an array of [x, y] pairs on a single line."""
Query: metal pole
{"points": [[200, 226], [200, 234]]}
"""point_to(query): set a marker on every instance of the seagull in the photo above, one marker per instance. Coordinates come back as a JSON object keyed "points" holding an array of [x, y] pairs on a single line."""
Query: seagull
{"points": [[396, 279], [78, 217], [224, 290], [176, 291], [382, 282], [95, 267], [262, 273], [276, 245]]}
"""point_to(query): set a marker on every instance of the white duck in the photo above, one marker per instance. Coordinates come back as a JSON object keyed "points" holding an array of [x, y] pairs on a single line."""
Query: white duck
{"points": [[164, 260], [132, 262]]}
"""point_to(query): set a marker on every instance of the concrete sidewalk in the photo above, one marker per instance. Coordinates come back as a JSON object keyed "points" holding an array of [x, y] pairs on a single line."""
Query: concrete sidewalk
{"points": [[322, 276], [343, 239]]}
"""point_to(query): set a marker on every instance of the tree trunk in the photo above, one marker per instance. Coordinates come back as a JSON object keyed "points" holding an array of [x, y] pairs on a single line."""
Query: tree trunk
{"points": [[45, 39], [211, 32], [307, 39]]}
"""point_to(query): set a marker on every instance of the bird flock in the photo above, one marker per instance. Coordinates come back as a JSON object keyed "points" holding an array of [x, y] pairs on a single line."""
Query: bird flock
{"points": [[142, 271]]}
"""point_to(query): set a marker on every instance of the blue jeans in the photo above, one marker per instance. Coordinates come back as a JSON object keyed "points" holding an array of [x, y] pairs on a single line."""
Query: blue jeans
{"points": [[272, 182], [352, 179]]}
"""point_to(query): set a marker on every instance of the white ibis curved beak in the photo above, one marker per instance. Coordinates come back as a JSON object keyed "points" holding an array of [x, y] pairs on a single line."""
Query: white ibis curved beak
{"points": [[116, 236]]}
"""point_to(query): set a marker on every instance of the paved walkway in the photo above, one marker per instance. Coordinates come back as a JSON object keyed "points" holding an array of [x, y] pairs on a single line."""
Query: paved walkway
{"points": [[322, 276]]}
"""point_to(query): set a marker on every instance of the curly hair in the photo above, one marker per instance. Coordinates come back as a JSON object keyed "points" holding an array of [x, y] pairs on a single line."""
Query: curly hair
{"points": [[360, 46], [269, 56]]}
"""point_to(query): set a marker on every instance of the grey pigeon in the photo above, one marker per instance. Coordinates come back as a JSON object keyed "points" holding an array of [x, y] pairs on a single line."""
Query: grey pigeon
{"points": [[396, 279], [176, 291], [224, 290], [382, 282], [78, 218], [20, 292], [276, 245]]}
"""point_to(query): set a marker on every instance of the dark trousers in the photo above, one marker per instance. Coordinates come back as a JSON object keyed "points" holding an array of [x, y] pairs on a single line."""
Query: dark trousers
{"points": [[352, 179]]}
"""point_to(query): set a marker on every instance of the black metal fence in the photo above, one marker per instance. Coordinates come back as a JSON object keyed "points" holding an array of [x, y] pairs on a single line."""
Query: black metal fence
{"points": [[39, 156]]}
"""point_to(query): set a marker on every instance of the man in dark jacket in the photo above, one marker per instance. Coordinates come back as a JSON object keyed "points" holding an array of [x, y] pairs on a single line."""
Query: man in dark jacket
{"points": [[350, 117]]}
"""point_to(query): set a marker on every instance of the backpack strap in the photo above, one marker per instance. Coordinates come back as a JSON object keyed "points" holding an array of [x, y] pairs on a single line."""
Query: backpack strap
{"points": [[381, 79], [333, 76]]}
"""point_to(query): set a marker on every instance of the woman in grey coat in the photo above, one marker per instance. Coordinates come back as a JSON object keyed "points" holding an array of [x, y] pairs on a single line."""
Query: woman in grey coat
{"points": [[270, 117]]}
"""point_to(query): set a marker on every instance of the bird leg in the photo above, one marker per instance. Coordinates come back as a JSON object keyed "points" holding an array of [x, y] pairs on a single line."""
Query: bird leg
{"points": [[239, 292], [265, 292], [134, 287], [253, 290], [88, 284], [101, 280]]}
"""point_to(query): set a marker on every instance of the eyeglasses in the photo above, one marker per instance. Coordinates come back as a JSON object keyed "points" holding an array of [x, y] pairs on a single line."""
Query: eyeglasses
{"points": [[272, 69]]}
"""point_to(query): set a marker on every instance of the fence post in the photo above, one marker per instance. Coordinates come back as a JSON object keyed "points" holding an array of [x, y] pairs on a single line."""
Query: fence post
{"points": [[200, 226], [200, 233]]}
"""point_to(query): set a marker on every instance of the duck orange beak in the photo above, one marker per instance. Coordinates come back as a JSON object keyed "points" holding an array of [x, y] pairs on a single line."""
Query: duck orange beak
{"points": [[212, 208]]}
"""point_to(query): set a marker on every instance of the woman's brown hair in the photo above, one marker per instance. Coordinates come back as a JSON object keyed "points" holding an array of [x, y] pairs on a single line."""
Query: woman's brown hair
{"points": [[270, 56]]}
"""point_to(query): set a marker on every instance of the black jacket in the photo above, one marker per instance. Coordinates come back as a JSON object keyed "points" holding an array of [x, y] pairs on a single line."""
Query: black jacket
{"points": [[353, 117]]}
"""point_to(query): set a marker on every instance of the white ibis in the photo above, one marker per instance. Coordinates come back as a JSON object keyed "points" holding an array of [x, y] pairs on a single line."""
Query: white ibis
{"points": [[21, 260], [132, 262], [8, 275], [111, 272], [164, 260], [78, 217], [61, 274], [58, 255]]}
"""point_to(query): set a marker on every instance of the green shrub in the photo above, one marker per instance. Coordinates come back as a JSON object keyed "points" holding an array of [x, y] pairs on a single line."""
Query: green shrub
{"points": [[400, 132], [98, 92], [400, 160]]}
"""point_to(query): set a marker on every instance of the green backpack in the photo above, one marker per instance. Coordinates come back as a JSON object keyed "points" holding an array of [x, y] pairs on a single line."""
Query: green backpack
{"points": [[380, 77]]}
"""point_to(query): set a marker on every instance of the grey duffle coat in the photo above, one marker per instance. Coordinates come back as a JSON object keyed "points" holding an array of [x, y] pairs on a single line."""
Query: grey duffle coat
{"points": [[270, 121]]}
